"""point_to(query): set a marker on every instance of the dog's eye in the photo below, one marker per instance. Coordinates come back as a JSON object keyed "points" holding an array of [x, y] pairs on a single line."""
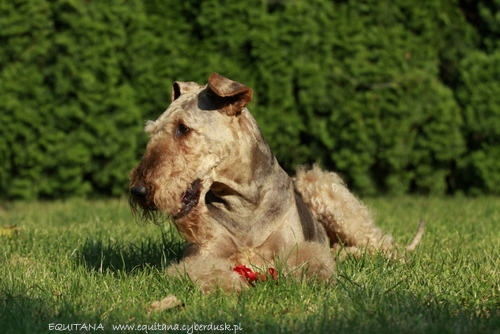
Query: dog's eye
{"points": [[182, 130]]}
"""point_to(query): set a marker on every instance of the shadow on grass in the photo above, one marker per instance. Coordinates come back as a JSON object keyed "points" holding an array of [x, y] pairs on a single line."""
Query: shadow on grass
{"points": [[400, 312], [111, 256], [29, 309]]}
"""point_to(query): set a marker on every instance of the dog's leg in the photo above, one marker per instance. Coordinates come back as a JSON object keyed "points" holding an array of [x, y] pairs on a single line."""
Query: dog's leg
{"points": [[307, 259], [209, 274], [346, 220]]}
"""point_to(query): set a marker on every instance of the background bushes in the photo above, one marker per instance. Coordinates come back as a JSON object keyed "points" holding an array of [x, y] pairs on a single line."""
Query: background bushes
{"points": [[398, 96]]}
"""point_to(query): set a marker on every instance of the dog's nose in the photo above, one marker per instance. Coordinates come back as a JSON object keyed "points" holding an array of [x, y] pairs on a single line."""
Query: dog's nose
{"points": [[139, 191]]}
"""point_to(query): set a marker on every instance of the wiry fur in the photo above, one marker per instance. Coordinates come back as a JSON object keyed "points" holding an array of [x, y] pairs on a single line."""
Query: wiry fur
{"points": [[208, 168], [347, 221]]}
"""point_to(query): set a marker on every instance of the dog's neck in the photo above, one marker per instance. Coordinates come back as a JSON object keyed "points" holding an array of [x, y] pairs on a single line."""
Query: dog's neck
{"points": [[238, 206], [237, 196]]}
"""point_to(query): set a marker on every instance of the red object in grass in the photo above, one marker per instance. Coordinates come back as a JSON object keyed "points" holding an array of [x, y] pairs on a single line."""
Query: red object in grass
{"points": [[273, 273], [252, 276]]}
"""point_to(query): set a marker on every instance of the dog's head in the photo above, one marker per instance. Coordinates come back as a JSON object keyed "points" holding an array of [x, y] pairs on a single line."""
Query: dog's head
{"points": [[200, 136]]}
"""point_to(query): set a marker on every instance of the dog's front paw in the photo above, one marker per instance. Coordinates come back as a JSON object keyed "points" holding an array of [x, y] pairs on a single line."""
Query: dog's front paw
{"points": [[309, 259], [209, 274], [227, 281]]}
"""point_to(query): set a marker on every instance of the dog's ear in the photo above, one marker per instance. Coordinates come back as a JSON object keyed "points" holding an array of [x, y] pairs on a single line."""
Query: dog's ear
{"points": [[232, 96], [180, 88]]}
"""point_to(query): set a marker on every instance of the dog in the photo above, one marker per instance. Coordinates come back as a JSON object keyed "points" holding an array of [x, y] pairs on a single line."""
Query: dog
{"points": [[208, 168]]}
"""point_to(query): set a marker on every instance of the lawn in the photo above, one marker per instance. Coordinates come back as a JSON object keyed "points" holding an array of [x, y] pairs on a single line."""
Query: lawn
{"points": [[86, 266]]}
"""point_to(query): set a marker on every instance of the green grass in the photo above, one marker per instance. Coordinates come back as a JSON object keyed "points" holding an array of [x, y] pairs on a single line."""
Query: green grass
{"points": [[85, 262]]}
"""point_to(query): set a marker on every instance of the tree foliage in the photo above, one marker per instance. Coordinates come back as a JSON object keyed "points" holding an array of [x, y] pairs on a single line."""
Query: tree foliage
{"points": [[398, 96]]}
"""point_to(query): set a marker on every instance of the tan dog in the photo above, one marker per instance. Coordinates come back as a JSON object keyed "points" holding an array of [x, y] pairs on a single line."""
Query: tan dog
{"points": [[208, 168]]}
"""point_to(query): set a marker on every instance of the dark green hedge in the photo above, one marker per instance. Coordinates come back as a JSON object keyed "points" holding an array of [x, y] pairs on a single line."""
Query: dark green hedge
{"points": [[398, 96]]}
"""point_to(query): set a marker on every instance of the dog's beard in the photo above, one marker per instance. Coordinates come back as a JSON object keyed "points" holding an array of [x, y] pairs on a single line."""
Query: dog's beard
{"points": [[144, 212]]}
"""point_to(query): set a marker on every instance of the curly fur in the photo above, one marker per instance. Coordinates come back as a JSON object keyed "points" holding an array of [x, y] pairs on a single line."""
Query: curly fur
{"points": [[208, 168]]}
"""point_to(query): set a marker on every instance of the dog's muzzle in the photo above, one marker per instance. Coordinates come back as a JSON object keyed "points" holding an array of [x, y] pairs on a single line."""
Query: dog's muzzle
{"points": [[139, 192], [189, 200], [139, 197]]}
